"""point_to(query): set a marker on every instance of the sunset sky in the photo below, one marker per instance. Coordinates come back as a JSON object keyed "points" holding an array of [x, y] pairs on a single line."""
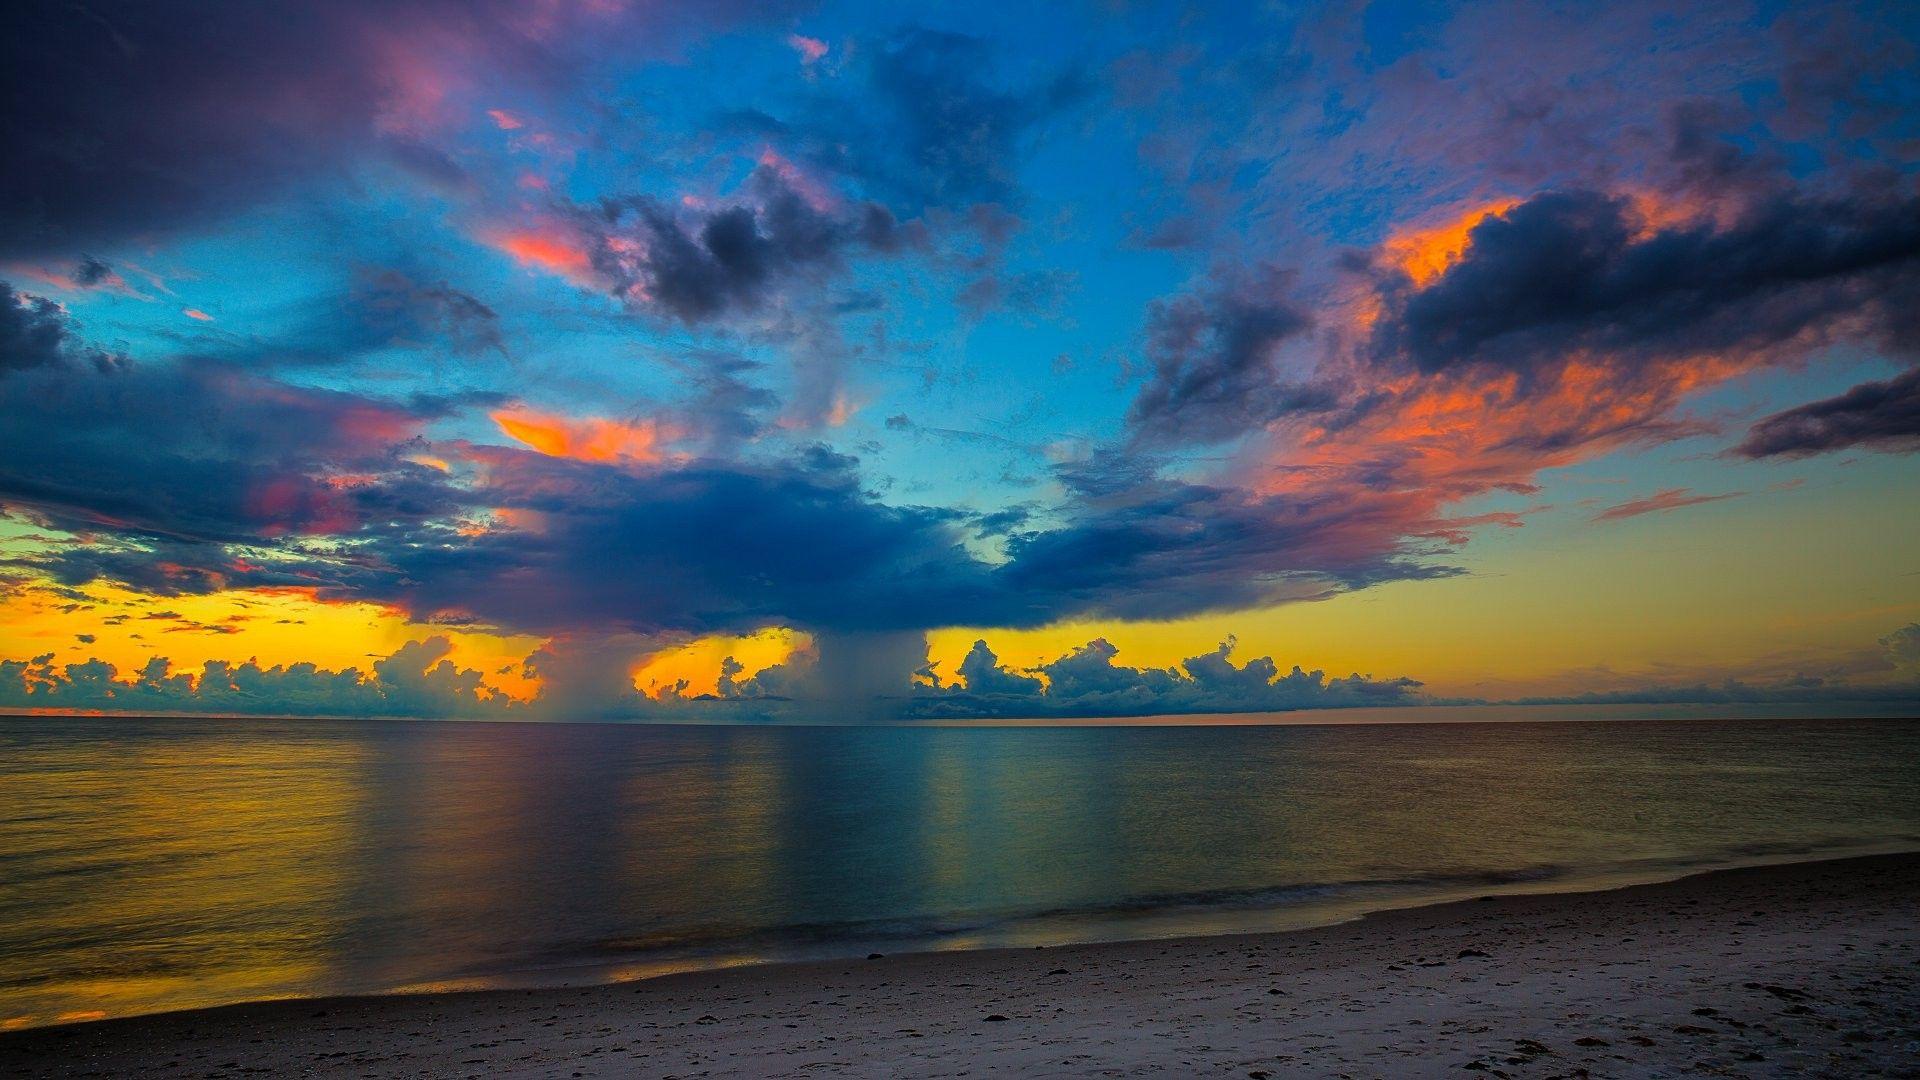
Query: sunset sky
{"points": [[575, 359]]}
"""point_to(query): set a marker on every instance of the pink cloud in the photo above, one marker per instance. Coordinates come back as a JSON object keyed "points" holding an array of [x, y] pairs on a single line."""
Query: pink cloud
{"points": [[1660, 502], [810, 49]]}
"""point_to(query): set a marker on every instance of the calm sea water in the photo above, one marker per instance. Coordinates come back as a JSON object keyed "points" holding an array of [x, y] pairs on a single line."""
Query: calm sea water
{"points": [[153, 864]]}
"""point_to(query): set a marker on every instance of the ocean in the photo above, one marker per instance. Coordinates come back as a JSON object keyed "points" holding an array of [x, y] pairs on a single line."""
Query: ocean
{"points": [[152, 864]]}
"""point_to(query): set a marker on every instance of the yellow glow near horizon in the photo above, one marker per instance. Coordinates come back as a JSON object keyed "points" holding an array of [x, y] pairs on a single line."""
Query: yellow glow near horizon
{"points": [[129, 629], [1562, 605], [698, 661]]}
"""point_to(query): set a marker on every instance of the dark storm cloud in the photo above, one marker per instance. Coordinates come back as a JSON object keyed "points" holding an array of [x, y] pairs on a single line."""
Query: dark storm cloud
{"points": [[35, 332], [701, 548], [309, 489], [1875, 415], [1215, 356], [1572, 273], [1143, 547], [697, 265], [202, 453], [193, 476], [716, 546], [123, 119]]}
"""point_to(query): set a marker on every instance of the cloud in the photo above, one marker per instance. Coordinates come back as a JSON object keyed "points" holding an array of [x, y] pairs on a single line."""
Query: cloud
{"points": [[1216, 362], [702, 547], [936, 130], [391, 308], [1517, 336], [638, 442], [700, 262], [196, 476], [1087, 682], [811, 50], [984, 677], [1660, 502], [35, 332], [1580, 273], [416, 680], [191, 115], [1876, 415], [198, 452], [1903, 645]]}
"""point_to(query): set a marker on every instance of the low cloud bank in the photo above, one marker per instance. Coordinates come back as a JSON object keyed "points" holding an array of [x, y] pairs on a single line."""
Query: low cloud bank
{"points": [[419, 680], [416, 680], [592, 681], [1087, 682]]}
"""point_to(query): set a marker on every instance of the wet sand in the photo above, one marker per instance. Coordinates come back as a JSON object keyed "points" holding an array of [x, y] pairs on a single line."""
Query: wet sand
{"points": [[1810, 969]]}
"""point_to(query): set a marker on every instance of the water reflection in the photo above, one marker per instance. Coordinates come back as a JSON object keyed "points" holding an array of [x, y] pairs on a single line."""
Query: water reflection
{"points": [[167, 863]]}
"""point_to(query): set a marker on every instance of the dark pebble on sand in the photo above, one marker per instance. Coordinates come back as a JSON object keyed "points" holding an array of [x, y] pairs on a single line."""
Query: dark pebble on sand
{"points": [[995, 1017]]}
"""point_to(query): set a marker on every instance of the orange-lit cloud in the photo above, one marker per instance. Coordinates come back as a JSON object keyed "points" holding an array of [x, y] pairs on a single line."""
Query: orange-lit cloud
{"points": [[550, 247], [1424, 252], [588, 438], [1419, 442]]}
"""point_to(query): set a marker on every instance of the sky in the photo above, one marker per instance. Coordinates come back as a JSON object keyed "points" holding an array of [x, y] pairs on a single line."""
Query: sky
{"points": [[741, 360]]}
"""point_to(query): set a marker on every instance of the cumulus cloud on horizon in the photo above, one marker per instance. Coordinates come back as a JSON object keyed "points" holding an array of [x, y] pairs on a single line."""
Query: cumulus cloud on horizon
{"points": [[419, 681]]}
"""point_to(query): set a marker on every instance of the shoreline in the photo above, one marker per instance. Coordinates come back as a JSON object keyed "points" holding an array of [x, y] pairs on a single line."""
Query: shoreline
{"points": [[1774, 924], [1172, 920]]}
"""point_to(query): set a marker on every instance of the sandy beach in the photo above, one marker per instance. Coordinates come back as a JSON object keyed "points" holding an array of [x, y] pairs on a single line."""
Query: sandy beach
{"points": [[1810, 969]]}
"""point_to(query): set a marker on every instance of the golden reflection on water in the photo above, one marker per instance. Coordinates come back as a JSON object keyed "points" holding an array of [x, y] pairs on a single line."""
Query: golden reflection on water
{"points": [[236, 857], [173, 863]]}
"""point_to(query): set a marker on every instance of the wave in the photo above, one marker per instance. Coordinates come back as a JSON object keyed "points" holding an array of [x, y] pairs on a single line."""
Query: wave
{"points": [[1153, 915]]}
